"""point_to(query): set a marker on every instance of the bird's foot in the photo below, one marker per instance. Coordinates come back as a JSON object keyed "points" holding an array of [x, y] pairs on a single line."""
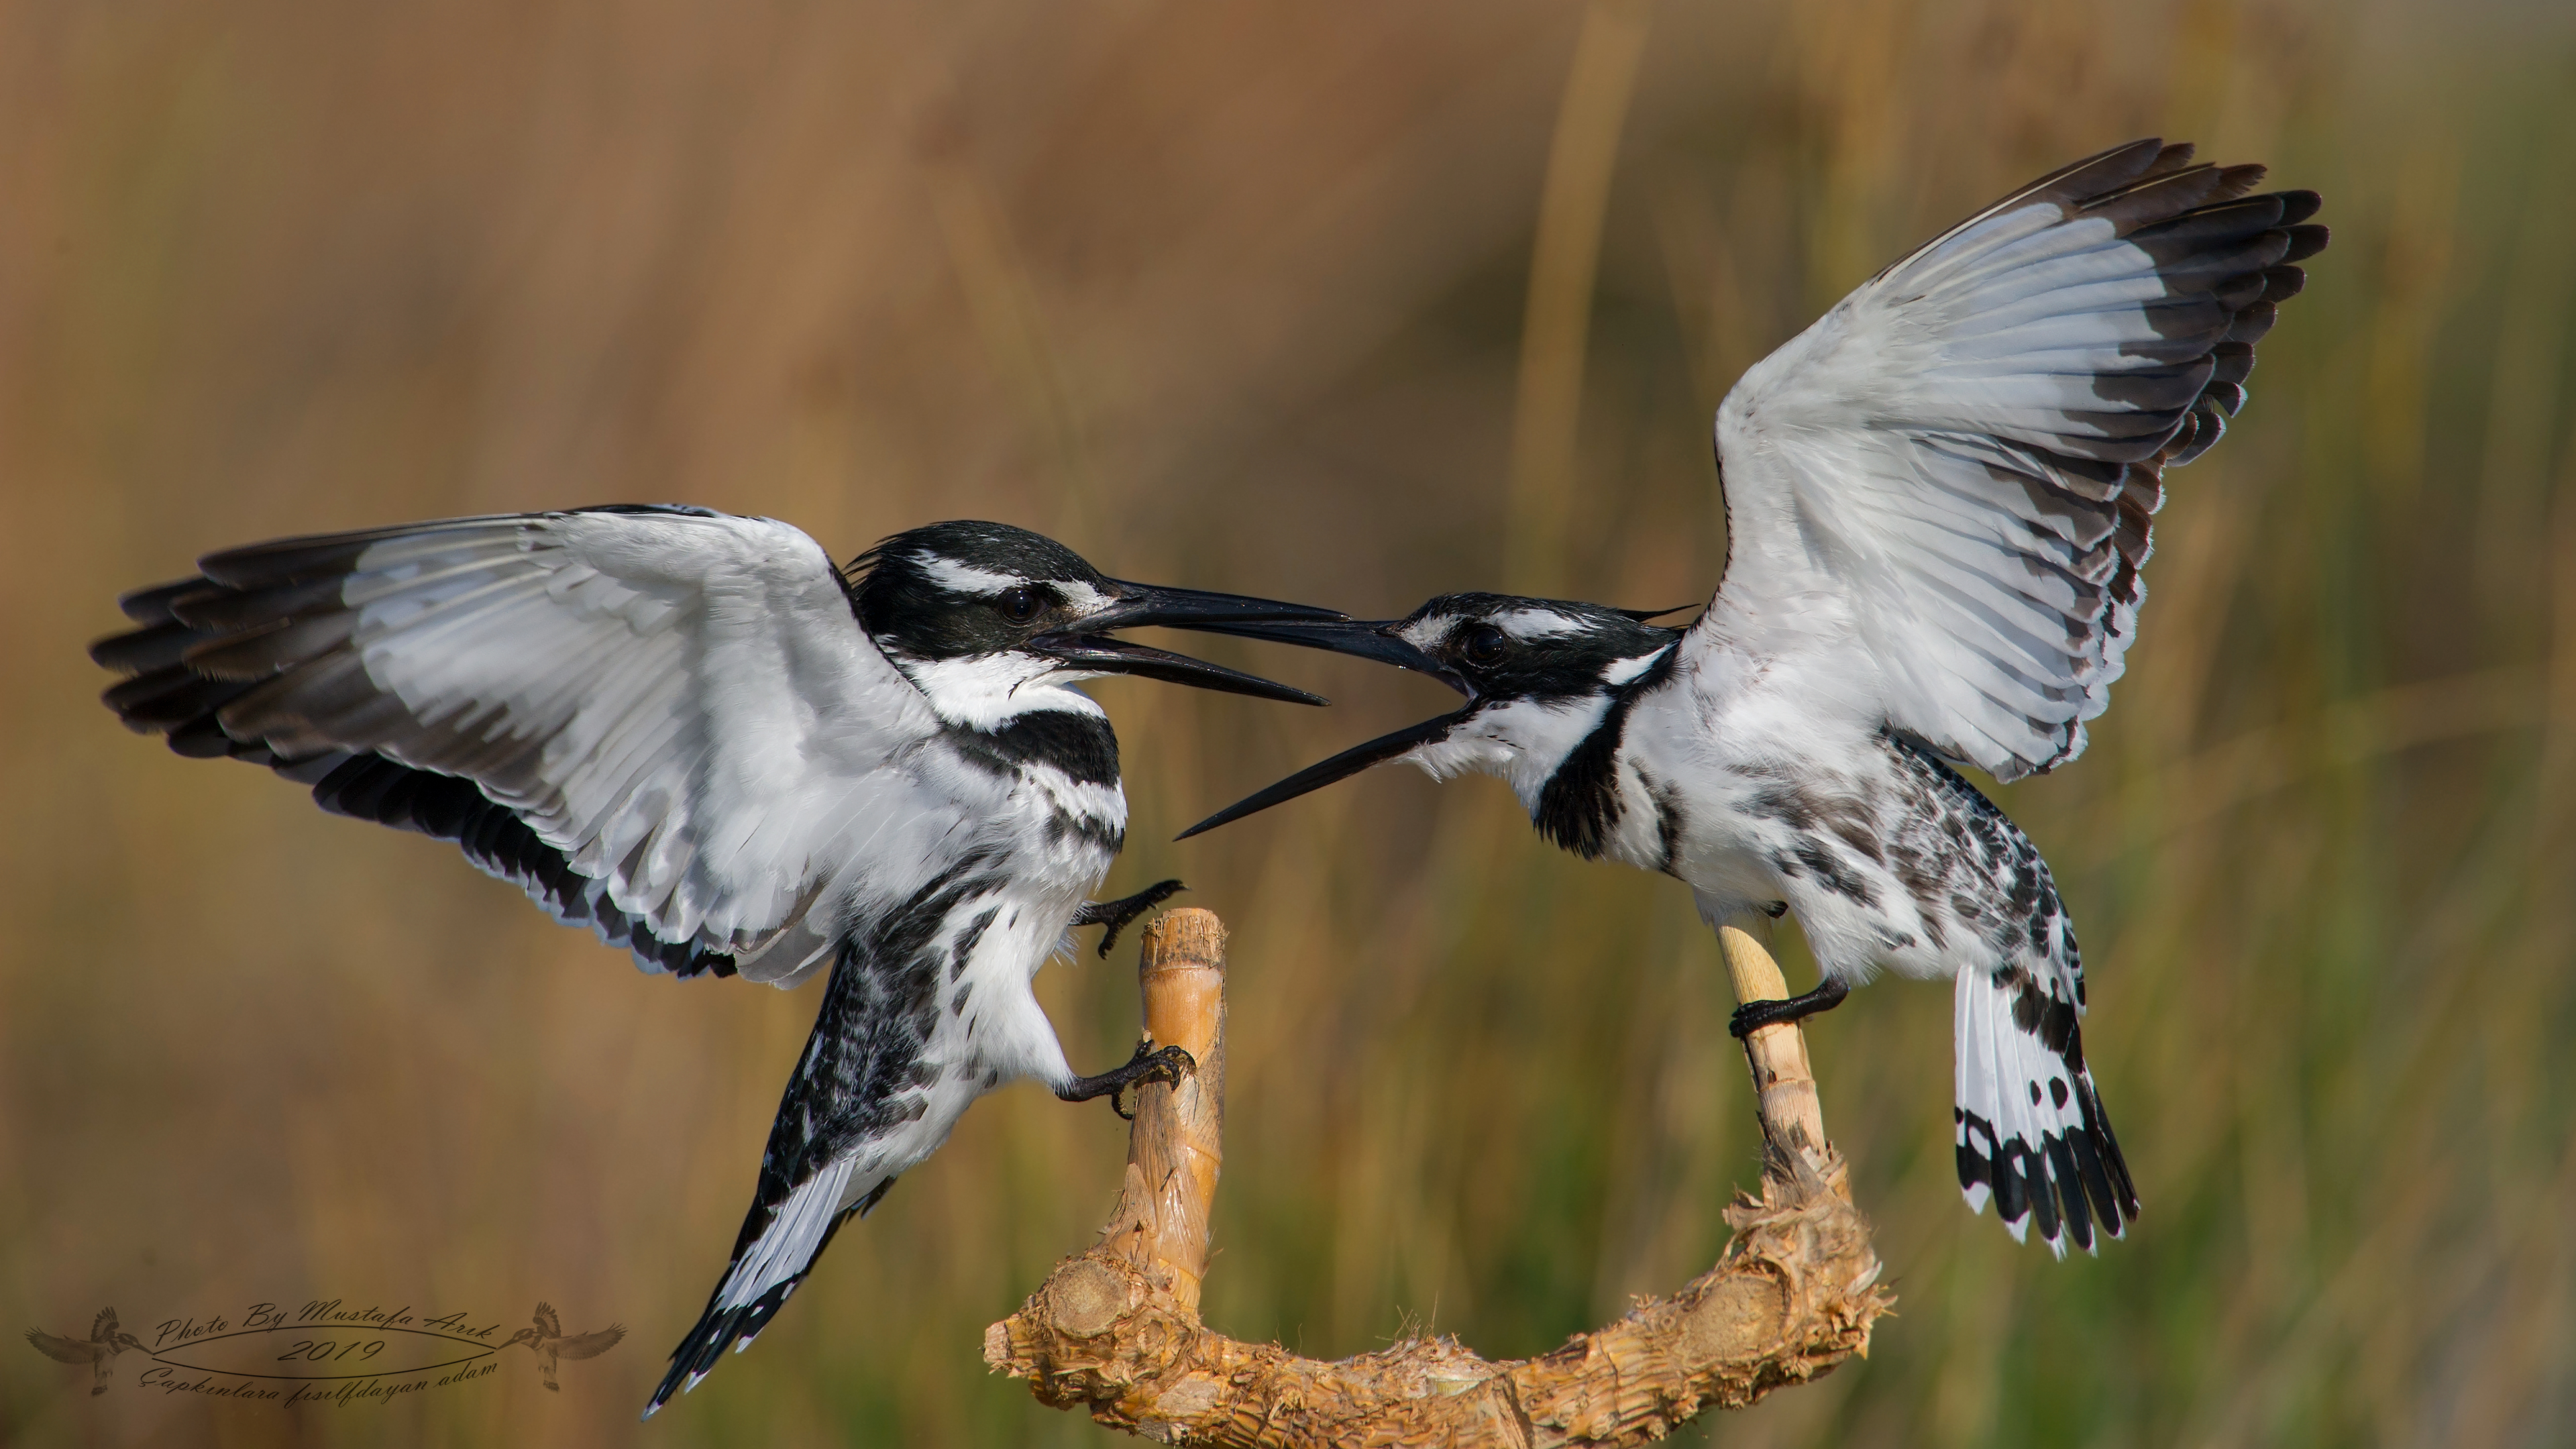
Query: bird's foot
{"points": [[1150, 1064], [1752, 1016], [1117, 914]]}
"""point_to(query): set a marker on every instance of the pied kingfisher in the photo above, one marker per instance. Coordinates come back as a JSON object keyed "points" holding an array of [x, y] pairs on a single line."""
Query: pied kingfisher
{"points": [[693, 734], [1938, 498]]}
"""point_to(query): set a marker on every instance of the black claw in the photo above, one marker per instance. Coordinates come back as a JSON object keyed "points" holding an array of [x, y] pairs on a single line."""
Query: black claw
{"points": [[1752, 1016], [1149, 1064], [1117, 914]]}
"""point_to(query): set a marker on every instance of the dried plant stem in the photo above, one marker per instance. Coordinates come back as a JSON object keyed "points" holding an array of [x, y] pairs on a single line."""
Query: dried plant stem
{"points": [[1784, 1086], [1173, 1153], [1116, 1331]]}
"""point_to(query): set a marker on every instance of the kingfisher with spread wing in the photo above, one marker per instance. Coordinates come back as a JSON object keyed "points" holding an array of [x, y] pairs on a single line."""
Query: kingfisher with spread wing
{"points": [[1938, 504], [546, 1339], [692, 734], [106, 1340]]}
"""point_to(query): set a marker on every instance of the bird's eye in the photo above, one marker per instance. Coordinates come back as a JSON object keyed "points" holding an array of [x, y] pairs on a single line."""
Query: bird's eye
{"points": [[1019, 605], [1483, 646]]}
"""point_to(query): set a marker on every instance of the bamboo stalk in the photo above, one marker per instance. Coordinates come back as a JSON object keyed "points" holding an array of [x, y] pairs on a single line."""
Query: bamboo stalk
{"points": [[1784, 1084], [1116, 1330], [1174, 1150]]}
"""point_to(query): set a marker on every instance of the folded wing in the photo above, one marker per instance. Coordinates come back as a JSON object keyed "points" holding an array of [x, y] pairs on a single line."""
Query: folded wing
{"points": [[1949, 479], [661, 722], [904, 1043]]}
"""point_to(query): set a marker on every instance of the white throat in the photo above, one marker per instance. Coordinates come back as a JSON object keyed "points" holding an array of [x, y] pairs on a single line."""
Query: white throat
{"points": [[987, 691], [1522, 741]]}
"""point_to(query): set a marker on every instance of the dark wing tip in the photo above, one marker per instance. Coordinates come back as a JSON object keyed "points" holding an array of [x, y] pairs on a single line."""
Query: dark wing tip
{"points": [[140, 651], [2272, 231], [151, 604], [257, 565], [2235, 181]]}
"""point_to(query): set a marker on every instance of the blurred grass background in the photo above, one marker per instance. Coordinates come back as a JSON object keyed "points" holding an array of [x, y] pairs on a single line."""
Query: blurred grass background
{"points": [[1351, 304]]}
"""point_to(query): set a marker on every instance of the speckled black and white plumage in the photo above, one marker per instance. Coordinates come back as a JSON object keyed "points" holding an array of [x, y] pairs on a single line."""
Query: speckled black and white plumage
{"points": [[693, 734], [2029, 1124], [1939, 499], [1889, 857], [896, 1055]]}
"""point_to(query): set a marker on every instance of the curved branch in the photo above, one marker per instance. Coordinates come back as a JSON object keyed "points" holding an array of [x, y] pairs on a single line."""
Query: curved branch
{"points": [[1115, 1331]]}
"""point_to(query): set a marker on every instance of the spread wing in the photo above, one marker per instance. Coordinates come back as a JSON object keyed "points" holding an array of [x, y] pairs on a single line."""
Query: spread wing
{"points": [[69, 1350], [591, 1345], [547, 1323], [662, 722], [102, 1329], [1947, 482]]}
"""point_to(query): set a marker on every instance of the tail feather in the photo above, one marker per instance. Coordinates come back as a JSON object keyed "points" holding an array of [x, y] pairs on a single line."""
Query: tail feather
{"points": [[885, 1075], [2030, 1129], [780, 1250]]}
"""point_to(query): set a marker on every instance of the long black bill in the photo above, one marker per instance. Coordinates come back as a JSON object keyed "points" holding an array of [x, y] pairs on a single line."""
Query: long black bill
{"points": [[1365, 638], [1143, 605], [1349, 762], [1100, 654]]}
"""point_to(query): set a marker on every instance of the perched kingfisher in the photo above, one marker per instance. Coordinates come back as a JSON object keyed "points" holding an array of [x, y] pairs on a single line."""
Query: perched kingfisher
{"points": [[1938, 502], [694, 735]]}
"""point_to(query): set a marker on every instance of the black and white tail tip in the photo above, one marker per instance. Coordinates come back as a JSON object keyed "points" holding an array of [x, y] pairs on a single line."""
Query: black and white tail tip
{"points": [[2029, 1126], [777, 1252]]}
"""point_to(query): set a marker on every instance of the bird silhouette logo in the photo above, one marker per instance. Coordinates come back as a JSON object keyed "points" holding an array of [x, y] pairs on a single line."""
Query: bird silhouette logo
{"points": [[104, 1343], [547, 1341]]}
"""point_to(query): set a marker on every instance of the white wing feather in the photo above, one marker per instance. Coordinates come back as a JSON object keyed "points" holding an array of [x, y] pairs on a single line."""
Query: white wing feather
{"points": [[679, 702], [1941, 492]]}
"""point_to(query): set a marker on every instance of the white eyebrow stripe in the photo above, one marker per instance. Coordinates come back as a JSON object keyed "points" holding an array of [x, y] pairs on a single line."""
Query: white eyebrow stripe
{"points": [[1540, 624], [965, 578]]}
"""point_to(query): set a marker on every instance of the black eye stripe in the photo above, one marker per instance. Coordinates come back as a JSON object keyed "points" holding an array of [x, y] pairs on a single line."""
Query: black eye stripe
{"points": [[1570, 661], [935, 592]]}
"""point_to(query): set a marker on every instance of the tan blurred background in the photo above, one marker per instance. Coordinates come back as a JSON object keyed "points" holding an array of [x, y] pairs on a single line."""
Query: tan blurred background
{"points": [[1290, 299]]}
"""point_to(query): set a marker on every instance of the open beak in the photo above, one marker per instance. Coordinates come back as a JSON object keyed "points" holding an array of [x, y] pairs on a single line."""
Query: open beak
{"points": [[1094, 652], [1349, 762], [1368, 639]]}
